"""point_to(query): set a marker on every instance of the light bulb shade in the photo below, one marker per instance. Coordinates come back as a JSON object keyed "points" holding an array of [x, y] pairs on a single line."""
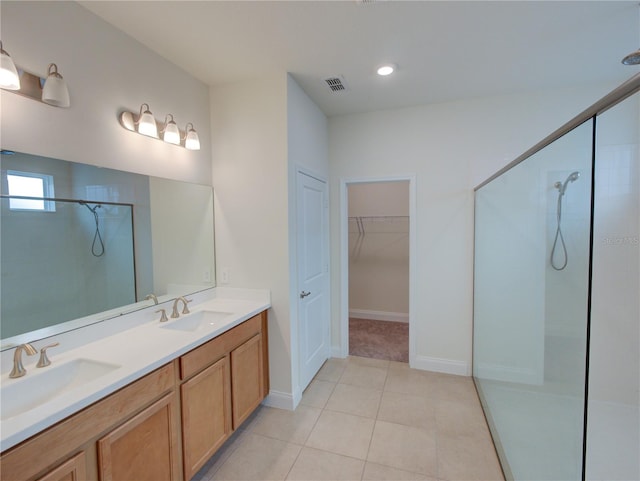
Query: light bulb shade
{"points": [[147, 123], [55, 91], [9, 78], [171, 133], [191, 141]]}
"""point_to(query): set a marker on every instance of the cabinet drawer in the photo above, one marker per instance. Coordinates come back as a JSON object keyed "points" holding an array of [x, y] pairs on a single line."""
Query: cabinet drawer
{"points": [[203, 356]]}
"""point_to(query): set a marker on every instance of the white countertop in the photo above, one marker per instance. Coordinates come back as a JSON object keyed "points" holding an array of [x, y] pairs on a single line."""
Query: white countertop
{"points": [[137, 351]]}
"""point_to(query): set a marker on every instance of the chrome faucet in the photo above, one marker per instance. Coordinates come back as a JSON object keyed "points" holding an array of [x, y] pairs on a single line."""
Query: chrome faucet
{"points": [[185, 310], [18, 369]]}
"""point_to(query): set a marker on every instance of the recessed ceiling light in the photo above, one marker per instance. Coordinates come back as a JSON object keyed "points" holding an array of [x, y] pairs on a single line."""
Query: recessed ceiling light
{"points": [[386, 69]]}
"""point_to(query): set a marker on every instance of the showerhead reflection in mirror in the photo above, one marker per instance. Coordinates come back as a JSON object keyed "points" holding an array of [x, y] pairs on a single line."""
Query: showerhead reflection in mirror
{"points": [[97, 246]]}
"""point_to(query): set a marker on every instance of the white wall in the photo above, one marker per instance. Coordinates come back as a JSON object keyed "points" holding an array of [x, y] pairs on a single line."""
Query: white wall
{"points": [[263, 128], [307, 132], [107, 72], [450, 147], [249, 123]]}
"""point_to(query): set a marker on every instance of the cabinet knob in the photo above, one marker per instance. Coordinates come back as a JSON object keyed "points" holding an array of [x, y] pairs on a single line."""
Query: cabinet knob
{"points": [[304, 294]]}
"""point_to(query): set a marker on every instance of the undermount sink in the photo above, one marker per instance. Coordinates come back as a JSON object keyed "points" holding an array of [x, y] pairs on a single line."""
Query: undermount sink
{"points": [[39, 386], [195, 321]]}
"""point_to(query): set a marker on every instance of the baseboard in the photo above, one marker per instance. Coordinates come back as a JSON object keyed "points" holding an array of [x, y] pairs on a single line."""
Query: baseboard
{"points": [[379, 315], [281, 400], [446, 366], [498, 372], [336, 351]]}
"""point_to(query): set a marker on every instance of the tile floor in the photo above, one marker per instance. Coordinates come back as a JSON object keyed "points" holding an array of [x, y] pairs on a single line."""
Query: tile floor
{"points": [[365, 419]]}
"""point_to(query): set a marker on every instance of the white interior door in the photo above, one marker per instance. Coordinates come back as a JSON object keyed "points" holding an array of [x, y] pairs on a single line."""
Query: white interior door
{"points": [[313, 275]]}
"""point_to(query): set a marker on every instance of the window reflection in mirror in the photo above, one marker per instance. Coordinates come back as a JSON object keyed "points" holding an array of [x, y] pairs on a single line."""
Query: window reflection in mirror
{"points": [[94, 250]]}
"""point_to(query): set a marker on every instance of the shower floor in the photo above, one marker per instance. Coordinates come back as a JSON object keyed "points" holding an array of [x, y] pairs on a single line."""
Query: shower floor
{"points": [[540, 434]]}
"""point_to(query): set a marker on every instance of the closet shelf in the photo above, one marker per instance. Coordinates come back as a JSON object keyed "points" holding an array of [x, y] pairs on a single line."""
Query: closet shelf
{"points": [[401, 221]]}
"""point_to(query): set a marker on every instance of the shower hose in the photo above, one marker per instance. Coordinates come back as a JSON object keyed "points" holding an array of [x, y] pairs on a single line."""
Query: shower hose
{"points": [[97, 246], [560, 237]]}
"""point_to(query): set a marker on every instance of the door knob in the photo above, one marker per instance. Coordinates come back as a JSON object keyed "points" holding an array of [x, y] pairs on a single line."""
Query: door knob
{"points": [[304, 294]]}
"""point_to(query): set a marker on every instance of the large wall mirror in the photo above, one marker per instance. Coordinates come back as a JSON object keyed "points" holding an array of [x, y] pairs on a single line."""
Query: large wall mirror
{"points": [[81, 244]]}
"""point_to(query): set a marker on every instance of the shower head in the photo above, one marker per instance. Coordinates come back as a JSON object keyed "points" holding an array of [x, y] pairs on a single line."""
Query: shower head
{"points": [[562, 187], [632, 59], [573, 176], [92, 209]]}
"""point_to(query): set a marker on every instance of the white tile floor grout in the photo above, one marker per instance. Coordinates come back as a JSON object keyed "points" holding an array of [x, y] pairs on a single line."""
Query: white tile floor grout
{"points": [[364, 420]]}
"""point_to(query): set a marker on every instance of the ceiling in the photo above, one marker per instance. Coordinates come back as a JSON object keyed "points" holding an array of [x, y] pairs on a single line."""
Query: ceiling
{"points": [[444, 50]]}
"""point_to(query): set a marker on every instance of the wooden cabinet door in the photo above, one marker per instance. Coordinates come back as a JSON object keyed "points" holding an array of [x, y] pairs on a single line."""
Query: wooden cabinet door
{"points": [[206, 415], [143, 448], [73, 470], [246, 379]]}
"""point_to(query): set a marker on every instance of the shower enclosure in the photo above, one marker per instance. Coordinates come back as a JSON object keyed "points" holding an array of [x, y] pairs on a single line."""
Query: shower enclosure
{"points": [[63, 259], [557, 299]]}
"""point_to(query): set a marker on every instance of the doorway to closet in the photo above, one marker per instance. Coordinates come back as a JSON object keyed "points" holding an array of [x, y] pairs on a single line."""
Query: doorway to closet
{"points": [[378, 269]]}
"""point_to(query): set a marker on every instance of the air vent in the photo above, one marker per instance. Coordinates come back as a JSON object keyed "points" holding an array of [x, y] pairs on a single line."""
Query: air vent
{"points": [[336, 83]]}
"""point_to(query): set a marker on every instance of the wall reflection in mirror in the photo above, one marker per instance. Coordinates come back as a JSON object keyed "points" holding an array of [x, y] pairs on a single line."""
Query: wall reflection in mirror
{"points": [[81, 244]]}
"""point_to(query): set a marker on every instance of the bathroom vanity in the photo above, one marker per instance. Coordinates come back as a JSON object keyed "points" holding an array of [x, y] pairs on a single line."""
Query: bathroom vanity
{"points": [[177, 391]]}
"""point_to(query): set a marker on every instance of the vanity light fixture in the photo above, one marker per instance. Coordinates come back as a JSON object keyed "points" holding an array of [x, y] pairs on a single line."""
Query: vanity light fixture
{"points": [[55, 91], [9, 78], [170, 131], [145, 123], [191, 140], [52, 90]]}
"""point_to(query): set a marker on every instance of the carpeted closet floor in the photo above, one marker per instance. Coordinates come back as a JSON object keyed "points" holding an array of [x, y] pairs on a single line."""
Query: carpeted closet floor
{"points": [[379, 339]]}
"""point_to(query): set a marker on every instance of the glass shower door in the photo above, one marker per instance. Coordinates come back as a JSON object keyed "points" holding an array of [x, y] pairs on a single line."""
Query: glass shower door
{"points": [[613, 424], [531, 307]]}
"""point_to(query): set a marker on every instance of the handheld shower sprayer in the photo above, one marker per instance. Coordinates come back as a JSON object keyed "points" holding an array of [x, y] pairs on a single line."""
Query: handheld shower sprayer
{"points": [[96, 250], [562, 188]]}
